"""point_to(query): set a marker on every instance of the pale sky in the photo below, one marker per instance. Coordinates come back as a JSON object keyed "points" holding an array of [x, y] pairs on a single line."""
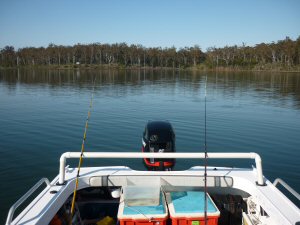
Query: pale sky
{"points": [[151, 23]]}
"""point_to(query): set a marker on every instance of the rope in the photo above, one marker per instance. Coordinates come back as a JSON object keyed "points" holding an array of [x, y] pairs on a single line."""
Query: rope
{"points": [[205, 159], [82, 151]]}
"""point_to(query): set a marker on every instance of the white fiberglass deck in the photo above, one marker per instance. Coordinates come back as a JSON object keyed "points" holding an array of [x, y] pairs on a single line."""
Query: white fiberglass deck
{"points": [[280, 209]]}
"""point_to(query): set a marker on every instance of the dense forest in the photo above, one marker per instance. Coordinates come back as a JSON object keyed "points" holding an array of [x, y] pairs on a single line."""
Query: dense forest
{"points": [[283, 55]]}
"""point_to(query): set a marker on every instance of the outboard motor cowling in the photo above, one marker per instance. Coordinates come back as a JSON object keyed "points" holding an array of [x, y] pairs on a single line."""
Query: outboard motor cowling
{"points": [[159, 137]]}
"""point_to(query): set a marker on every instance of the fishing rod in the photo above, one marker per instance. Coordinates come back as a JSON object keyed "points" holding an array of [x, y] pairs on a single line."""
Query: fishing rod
{"points": [[205, 159], [81, 154]]}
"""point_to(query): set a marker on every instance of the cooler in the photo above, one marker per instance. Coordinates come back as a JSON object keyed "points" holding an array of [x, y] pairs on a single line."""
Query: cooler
{"points": [[187, 208], [137, 213]]}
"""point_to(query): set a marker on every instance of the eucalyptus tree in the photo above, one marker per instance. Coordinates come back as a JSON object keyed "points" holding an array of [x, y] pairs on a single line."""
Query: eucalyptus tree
{"points": [[8, 56], [283, 53]]}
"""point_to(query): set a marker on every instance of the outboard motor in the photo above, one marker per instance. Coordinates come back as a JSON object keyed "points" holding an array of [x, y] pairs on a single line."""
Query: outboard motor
{"points": [[159, 137]]}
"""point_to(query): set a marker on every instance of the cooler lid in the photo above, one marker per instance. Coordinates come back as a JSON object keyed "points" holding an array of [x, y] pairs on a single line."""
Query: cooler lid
{"points": [[190, 203], [142, 211]]}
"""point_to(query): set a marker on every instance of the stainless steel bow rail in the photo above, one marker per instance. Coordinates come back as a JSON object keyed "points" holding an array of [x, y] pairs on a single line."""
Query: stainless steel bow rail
{"points": [[24, 197], [139, 155]]}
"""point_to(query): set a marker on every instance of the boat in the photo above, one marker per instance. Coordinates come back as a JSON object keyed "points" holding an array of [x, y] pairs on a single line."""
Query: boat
{"points": [[159, 195]]}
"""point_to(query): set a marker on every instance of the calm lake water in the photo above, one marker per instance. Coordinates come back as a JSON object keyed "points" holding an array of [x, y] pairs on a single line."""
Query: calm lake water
{"points": [[42, 115]]}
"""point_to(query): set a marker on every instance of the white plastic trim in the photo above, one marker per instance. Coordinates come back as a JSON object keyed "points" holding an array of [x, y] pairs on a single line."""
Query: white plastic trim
{"points": [[138, 155]]}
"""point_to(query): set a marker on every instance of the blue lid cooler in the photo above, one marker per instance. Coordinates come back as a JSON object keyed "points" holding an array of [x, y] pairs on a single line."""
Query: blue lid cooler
{"points": [[143, 211], [187, 208]]}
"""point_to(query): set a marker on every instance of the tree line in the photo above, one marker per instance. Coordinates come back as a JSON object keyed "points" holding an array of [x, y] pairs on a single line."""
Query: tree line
{"points": [[284, 54]]}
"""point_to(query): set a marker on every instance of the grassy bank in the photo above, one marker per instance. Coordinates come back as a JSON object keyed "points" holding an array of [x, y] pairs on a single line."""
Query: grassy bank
{"points": [[200, 67]]}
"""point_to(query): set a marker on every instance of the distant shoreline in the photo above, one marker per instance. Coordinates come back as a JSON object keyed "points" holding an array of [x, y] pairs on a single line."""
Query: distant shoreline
{"points": [[200, 67], [280, 56]]}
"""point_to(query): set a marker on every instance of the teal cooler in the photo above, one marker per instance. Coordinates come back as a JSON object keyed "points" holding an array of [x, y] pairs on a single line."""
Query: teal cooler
{"points": [[143, 214], [187, 208]]}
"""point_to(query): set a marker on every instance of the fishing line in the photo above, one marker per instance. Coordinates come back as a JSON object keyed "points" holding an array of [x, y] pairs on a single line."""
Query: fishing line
{"points": [[205, 159], [82, 151]]}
